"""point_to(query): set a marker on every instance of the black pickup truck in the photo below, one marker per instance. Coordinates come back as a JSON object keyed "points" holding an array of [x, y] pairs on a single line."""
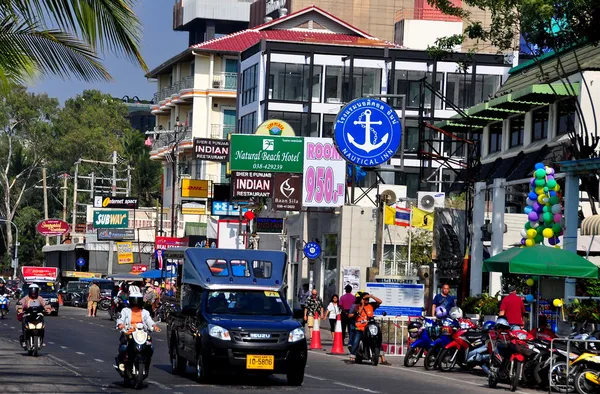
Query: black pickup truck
{"points": [[233, 316]]}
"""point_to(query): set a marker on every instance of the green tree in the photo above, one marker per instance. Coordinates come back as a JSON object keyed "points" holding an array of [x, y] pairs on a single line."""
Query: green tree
{"points": [[30, 250], [65, 38], [420, 247], [146, 175]]}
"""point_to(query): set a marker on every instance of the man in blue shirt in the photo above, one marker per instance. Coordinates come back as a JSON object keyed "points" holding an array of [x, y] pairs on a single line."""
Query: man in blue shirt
{"points": [[443, 299]]}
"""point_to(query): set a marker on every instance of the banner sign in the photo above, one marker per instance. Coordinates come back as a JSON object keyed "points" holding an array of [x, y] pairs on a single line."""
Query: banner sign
{"points": [[324, 174], [194, 188], [252, 184], [193, 208], [224, 208], [43, 274], [399, 299], [138, 268], [269, 225], [123, 234], [351, 276], [84, 275], [52, 227], [266, 153], [201, 241], [163, 243], [125, 252], [112, 219], [115, 202], [287, 192], [275, 127], [211, 150]]}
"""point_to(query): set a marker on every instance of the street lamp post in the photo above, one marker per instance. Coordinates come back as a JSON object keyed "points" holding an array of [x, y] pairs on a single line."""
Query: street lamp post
{"points": [[15, 261]]}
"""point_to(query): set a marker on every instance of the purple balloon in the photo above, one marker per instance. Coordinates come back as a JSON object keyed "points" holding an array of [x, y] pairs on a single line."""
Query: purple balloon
{"points": [[549, 177], [537, 207], [552, 241], [533, 216], [561, 232], [522, 241], [557, 218], [532, 182]]}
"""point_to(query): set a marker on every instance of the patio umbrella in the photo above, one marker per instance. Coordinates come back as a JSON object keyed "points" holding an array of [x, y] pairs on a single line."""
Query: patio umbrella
{"points": [[541, 260]]}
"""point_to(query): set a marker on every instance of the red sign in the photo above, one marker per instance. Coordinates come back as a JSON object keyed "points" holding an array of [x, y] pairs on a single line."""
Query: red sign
{"points": [[163, 243], [138, 268], [52, 227], [40, 273]]}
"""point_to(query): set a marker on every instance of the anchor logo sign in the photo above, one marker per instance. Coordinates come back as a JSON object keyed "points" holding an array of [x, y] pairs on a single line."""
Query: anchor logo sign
{"points": [[368, 146]]}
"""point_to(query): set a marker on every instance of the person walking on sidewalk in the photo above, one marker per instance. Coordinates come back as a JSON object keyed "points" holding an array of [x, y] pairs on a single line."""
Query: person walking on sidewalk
{"points": [[512, 308], [93, 299], [333, 311], [346, 302], [314, 304]]}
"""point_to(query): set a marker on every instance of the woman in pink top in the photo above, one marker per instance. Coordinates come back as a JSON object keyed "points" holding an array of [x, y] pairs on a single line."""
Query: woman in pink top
{"points": [[346, 302]]}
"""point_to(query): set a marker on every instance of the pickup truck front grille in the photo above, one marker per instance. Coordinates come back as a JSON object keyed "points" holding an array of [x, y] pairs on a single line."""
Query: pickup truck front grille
{"points": [[246, 336]]}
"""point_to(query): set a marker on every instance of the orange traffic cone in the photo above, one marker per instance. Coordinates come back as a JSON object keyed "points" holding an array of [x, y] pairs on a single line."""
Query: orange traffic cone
{"points": [[338, 339], [315, 342]]}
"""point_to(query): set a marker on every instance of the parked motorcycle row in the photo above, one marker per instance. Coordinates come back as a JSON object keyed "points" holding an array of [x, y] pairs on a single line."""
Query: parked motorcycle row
{"points": [[508, 355]]}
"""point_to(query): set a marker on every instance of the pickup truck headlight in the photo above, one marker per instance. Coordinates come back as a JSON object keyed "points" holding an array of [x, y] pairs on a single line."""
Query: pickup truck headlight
{"points": [[296, 335], [218, 332]]}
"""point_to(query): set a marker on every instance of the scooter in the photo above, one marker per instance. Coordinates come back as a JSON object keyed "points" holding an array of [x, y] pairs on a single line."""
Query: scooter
{"points": [[35, 327], [370, 343], [507, 363], [423, 332], [137, 357], [468, 349], [116, 306], [4, 303], [449, 327]]}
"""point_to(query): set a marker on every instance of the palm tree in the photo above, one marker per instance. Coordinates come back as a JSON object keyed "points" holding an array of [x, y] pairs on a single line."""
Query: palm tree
{"points": [[65, 38]]}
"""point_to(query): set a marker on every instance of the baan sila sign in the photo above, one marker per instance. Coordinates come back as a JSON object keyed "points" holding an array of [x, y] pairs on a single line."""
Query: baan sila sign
{"points": [[266, 153]]}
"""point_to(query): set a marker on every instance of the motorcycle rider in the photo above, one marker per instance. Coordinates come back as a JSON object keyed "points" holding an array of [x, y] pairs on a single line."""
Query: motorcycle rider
{"points": [[130, 316], [32, 299], [364, 311]]}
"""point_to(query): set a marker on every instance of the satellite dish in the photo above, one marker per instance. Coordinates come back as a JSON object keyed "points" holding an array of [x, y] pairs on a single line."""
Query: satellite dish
{"points": [[427, 202], [388, 197]]}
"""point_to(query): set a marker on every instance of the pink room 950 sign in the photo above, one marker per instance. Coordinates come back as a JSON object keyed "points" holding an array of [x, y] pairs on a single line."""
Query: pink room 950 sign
{"points": [[324, 174]]}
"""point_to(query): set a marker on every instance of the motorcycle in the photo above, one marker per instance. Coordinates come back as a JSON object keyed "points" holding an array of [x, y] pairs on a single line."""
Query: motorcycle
{"points": [[33, 339], [163, 311], [449, 327], [586, 369], [370, 343], [116, 306], [137, 357], [104, 303], [508, 361], [467, 349], [3, 305], [423, 332]]}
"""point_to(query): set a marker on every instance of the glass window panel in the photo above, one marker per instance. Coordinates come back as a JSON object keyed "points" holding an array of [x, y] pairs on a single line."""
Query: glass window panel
{"points": [[566, 116], [328, 125], [495, 137], [333, 84], [539, 124], [277, 81], [316, 89], [517, 126], [411, 142]]}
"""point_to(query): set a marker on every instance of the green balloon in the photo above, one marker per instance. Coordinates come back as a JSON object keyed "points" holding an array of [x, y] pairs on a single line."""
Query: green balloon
{"points": [[535, 278], [546, 189], [527, 226], [546, 209], [540, 174], [556, 228], [539, 238], [548, 218], [540, 182], [551, 184], [554, 200], [540, 229]]}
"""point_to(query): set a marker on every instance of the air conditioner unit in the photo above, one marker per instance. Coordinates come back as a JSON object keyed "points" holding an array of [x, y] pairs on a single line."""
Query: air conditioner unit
{"points": [[217, 84], [427, 201], [77, 240]]}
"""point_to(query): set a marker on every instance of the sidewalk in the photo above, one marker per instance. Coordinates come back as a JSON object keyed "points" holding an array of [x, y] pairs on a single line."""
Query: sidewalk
{"points": [[20, 373]]}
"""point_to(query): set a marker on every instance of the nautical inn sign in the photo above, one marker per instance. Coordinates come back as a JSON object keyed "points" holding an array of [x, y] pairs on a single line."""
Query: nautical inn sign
{"points": [[367, 132]]}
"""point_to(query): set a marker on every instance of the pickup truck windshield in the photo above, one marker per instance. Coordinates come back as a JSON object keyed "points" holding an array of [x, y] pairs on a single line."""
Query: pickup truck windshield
{"points": [[45, 287], [246, 302]]}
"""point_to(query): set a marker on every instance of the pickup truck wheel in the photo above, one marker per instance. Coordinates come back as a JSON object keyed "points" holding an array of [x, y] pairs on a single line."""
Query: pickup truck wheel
{"points": [[202, 374], [177, 363], [295, 377]]}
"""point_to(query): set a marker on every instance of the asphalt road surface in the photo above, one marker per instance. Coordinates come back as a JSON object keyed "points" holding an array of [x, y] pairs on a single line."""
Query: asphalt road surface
{"points": [[79, 355]]}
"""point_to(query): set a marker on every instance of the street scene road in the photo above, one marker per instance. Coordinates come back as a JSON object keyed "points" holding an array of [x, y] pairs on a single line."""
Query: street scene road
{"points": [[79, 354]]}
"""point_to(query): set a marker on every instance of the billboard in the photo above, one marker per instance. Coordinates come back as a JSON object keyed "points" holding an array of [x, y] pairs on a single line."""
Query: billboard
{"points": [[115, 202], [266, 153], [31, 273], [52, 227], [324, 174], [287, 192], [194, 188], [252, 184], [122, 234], [162, 243], [111, 219], [211, 150], [125, 252]]}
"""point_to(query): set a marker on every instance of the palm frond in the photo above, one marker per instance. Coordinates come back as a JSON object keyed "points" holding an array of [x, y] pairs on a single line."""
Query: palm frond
{"points": [[24, 48], [110, 25]]}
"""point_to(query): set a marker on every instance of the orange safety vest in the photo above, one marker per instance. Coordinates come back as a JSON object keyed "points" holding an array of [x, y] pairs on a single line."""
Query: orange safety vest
{"points": [[363, 318]]}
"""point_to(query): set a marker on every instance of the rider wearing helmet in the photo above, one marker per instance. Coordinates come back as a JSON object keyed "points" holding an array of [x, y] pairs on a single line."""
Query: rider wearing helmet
{"points": [[130, 317], [444, 299], [364, 311], [32, 299]]}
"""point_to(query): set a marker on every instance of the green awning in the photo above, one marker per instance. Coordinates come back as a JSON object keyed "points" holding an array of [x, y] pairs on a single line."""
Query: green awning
{"points": [[541, 260]]}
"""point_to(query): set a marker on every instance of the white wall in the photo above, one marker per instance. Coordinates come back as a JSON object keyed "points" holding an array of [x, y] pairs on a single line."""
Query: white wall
{"points": [[419, 34]]}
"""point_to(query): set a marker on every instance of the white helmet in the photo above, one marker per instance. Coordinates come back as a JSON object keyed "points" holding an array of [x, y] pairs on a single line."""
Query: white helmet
{"points": [[456, 313], [134, 291]]}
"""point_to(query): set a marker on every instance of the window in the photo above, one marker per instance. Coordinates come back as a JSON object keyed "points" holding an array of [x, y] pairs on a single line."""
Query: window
{"points": [[408, 82], [458, 89], [495, 137], [248, 123], [337, 83], [300, 122], [240, 268], [198, 171], [249, 84], [411, 139], [366, 81], [334, 79], [262, 269], [247, 302], [517, 126], [566, 116], [217, 267], [328, 125], [454, 147], [539, 124], [412, 181], [290, 82], [191, 298]]}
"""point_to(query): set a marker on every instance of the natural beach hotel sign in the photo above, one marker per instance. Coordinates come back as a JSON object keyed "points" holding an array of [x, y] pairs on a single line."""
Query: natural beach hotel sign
{"points": [[266, 153]]}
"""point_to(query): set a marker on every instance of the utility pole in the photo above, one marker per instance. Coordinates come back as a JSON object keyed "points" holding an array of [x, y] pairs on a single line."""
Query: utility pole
{"points": [[65, 176], [45, 186], [128, 180], [74, 218], [114, 173]]}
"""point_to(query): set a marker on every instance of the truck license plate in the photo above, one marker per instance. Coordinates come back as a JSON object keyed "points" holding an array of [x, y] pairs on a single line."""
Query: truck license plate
{"points": [[260, 362]]}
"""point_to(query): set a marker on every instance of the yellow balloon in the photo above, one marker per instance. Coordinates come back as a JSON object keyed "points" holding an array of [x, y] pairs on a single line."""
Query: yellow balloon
{"points": [[529, 242], [539, 190], [557, 188], [557, 303], [529, 282], [548, 233], [531, 233], [541, 198]]}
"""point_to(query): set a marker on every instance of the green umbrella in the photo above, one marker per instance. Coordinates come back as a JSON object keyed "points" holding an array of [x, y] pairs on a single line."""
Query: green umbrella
{"points": [[541, 260]]}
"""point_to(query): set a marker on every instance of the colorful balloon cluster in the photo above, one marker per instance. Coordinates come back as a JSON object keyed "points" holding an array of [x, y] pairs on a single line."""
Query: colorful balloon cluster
{"points": [[543, 209]]}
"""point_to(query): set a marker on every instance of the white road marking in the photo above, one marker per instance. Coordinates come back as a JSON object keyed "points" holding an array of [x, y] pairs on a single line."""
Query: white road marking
{"points": [[12, 327], [160, 340], [64, 347], [65, 363], [162, 386], [98, 360], [82, 354], [51, 343], [358, 388]]}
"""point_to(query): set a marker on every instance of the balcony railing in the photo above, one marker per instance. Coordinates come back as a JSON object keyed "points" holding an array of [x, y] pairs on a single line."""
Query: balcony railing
{"points": [[163, 140], [226, 81], [221, 131], [184, 83]]}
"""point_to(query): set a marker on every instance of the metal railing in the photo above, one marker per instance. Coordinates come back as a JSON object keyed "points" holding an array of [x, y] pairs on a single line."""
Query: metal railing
{"points": [[163, 140], [394, 333], [220, 131], [168, 91], [567, 373], [187, 82], [227, 81]]}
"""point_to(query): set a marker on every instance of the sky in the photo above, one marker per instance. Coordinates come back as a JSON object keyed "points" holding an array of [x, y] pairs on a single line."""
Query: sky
{"points": [[159, 43]]}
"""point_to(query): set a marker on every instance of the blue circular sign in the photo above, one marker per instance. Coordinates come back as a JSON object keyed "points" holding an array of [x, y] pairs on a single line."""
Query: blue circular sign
{"points": [[80, 262], [367, 132], [312, 250]]}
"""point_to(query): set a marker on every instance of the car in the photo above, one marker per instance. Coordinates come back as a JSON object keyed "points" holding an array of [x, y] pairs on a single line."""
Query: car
{"points": [[234, 316], [72, 291]]}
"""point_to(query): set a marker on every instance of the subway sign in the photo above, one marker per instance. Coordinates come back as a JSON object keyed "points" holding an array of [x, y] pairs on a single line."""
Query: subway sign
{"points": [[112, 219]]}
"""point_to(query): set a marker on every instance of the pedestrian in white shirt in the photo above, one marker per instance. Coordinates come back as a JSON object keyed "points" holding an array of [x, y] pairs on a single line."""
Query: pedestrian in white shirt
{"points": [[333, 310]]}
